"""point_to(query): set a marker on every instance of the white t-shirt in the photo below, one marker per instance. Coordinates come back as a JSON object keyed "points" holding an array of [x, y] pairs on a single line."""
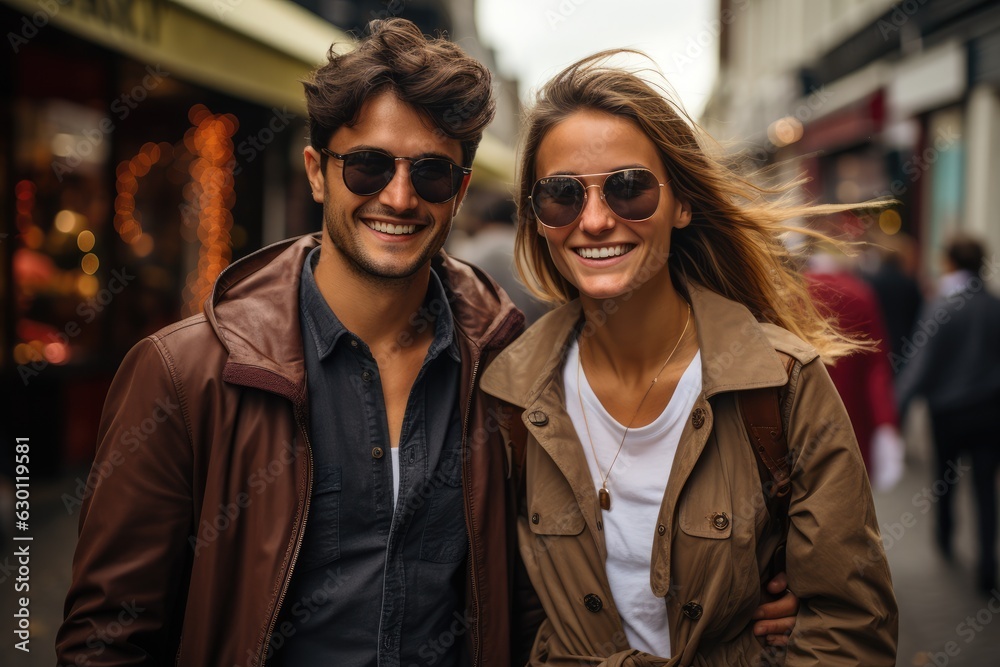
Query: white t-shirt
{"points": [[637, 484]]}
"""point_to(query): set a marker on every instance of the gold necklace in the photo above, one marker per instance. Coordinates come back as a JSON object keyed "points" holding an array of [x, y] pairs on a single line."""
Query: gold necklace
{"points": [[603, 495]]}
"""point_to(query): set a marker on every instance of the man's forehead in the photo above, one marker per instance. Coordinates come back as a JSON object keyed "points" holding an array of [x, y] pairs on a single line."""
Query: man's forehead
{"points": [[398, 127]]}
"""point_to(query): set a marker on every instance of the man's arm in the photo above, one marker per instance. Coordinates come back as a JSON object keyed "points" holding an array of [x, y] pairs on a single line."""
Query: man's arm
{"points": [[131, 564], [776, 620]]}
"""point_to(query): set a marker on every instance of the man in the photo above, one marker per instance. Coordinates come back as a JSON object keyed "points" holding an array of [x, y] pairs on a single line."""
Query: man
{"points": [[953, 360], [271, 520]]}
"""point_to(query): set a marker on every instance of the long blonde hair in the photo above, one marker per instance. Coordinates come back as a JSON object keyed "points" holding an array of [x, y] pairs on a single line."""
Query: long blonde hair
{"points": [[733, 244]]}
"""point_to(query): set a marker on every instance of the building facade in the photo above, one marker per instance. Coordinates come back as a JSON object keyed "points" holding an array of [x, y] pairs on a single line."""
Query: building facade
{"points": [[871, 98]]}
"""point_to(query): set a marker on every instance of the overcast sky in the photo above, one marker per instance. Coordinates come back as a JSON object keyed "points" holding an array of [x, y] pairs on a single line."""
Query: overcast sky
{"points": [[534, 39]]}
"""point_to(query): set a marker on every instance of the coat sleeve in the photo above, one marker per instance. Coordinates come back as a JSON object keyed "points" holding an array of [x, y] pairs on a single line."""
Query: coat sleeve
{"points": [[835, 560], [132, 558]]}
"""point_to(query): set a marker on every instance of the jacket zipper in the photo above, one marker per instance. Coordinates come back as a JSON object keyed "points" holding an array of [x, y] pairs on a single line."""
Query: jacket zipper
{"points": [[262, 649], [472, 550]]}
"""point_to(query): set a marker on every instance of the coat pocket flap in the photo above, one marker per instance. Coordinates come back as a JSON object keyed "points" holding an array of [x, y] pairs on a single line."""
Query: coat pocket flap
{"points": [[561, 517], [714, 524]]}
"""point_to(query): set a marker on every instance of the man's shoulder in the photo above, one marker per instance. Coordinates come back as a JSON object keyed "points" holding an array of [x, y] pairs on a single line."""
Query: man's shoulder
{"points": [[189, 345]]}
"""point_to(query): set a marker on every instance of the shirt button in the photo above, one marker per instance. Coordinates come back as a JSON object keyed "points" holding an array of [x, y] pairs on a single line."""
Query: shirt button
{"points": [[366, 376], [720, 520], [354, 343], [698, 417], [661, 529], [377, 452], [692, 610], [387, 641], [593, 603], [535, 518]]}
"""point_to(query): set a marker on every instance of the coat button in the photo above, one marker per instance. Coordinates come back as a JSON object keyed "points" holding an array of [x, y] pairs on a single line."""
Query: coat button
{"points": [[377, 452], [535, 518], [720, 520], [692, 610], [592, 603], [661, 529], [698, 417], [538, 418]]}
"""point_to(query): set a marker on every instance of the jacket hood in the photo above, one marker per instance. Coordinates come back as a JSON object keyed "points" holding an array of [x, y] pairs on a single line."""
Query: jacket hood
{"points": [[254, 310], [737, 351]]}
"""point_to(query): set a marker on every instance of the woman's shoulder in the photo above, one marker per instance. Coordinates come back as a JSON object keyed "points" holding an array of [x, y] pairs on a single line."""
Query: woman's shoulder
{"points": [[783, 340]]}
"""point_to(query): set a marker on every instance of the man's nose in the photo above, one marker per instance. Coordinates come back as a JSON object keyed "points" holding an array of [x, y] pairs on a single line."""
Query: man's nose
{"points": [[399, 193]]}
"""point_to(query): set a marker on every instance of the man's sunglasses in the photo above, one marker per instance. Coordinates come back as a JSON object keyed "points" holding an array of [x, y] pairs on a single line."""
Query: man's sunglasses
{"points": [[367, 172], [631, 194]]}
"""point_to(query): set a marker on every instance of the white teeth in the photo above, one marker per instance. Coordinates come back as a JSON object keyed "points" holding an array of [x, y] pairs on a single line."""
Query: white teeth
{"points": [[601, 253], [389, 228]]}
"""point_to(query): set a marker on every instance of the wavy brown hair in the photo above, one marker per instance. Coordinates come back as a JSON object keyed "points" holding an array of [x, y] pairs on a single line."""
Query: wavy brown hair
{"points": [[732, 245], [431, 74]]}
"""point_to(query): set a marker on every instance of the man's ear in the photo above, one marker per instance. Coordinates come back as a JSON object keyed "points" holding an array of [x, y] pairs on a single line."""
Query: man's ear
{"points": [[461, 194], [314, 173]]}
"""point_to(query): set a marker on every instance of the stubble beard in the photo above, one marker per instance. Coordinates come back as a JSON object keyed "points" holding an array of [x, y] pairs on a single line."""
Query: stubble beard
{"points": [[341, 232]]}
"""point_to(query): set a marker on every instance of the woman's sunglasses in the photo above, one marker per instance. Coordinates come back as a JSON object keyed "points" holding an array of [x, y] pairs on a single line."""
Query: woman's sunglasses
{"points": [[367, 172], [631, 194]]}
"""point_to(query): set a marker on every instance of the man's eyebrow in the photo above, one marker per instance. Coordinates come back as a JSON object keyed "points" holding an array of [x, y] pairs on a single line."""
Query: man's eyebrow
{"points": [[378, 149]]}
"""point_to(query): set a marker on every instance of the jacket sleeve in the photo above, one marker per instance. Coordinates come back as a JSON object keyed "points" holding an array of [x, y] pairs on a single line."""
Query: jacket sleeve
{"points": [[834, 556], [132, 559]]}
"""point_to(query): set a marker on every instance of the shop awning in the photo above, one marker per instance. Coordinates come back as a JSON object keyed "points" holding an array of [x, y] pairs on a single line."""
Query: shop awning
{"points": [[257, 50]]}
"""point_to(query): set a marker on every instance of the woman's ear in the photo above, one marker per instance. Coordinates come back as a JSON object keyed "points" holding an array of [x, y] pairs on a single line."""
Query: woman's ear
{"points": [[682, 214]]}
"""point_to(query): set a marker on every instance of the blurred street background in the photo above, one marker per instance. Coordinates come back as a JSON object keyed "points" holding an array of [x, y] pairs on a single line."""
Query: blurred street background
{"points": [[146, 144]]}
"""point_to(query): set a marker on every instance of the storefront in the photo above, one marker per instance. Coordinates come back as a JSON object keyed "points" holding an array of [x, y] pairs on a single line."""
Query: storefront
{"points": [[145, 146]]}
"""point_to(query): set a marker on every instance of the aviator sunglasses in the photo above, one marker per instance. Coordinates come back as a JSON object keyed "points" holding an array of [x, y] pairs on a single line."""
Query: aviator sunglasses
{"points": [[631, 194], [367, 172]]}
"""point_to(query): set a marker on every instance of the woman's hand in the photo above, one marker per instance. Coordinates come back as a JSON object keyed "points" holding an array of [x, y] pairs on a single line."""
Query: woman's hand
{"points": [[776, 620]]}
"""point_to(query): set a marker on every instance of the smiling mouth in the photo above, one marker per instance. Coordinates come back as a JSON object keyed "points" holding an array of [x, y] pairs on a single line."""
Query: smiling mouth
{"points": [[389, 228], [605, 252]]}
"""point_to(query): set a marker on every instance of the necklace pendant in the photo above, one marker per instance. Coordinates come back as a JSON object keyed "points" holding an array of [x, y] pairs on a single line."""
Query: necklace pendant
{"points": [[604, 496]]}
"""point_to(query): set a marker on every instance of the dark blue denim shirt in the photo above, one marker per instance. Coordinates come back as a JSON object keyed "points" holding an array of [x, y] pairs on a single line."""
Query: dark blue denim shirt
{"points": [[378, 583]]}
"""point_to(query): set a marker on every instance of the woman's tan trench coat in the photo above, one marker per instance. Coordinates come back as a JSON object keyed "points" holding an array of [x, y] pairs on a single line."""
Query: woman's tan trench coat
{"points": [[713, 538]]}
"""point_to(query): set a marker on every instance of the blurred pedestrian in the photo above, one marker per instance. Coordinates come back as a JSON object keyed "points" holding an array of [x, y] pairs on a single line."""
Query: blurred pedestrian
{"points": [[898, 292], [953, 361], [863, 379]]}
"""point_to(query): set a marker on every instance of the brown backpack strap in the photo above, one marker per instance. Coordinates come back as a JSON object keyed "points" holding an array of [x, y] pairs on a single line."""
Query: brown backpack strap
{"points": [[761, 410]]}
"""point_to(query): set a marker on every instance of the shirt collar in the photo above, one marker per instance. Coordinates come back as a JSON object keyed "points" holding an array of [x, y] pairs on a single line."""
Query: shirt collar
{"points": [[326, 329]]}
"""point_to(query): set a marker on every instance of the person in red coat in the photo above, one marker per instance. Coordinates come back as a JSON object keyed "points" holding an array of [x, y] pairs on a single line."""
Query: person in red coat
{"points": [[864, 380]]}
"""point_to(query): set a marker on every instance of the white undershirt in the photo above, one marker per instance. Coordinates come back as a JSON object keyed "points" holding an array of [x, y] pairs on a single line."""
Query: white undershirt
{"points": [[395, 474], [637, 483]]}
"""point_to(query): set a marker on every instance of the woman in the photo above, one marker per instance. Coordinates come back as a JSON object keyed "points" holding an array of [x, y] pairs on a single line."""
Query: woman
{"points": [[643, 524]]}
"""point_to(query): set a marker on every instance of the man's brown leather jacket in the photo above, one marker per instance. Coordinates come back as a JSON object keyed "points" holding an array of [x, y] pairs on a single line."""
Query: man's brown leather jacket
{"points": [[189, 538]]}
